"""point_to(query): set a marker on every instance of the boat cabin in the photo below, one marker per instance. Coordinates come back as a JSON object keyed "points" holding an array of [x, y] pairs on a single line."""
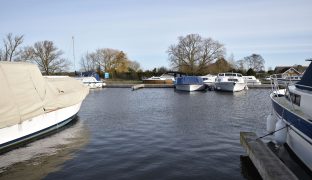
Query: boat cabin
{"points": [[230, 74]]}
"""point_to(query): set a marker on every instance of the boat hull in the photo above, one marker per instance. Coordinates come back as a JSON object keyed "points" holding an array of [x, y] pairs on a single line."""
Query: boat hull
{"points": [[190, 87], [299, 132], [93, 85], [19, 134], [229, 86]]}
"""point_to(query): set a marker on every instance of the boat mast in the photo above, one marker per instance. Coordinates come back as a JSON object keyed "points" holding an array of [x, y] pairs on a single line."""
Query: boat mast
{"points": [[74, 54]]}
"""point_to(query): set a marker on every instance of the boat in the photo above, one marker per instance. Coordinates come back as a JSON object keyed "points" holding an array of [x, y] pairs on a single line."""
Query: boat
{"points": [[251, 80], [163, 79], [231, 82], [209, 80], [291, 120], [91, 82], [32, 105], [91, 79], [285, 79], [189, 83]]}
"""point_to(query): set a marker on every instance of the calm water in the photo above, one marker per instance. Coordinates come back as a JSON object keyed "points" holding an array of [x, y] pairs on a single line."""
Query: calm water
{"points": [[165, 134], [148, 134]]}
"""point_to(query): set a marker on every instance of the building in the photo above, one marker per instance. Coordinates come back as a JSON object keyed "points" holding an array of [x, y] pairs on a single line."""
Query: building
{"points": [[286, 71]]}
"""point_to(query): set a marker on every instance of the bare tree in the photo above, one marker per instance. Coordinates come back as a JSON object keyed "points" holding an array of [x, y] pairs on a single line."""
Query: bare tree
{"points": [[10, 45], [134, 66], [231, 60], [255, 62], [88, 63], [104, 58], [111, 60], [193, 53], [47, 56], [240, 65]]}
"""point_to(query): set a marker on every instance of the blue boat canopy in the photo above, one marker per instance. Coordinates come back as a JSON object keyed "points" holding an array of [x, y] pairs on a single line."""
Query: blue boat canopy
{"points": [[306, 80], [91, 74], [186, 80]]}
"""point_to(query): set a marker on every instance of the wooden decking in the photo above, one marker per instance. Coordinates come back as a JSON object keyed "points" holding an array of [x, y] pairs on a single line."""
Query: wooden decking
{"points": [[268, 164]]}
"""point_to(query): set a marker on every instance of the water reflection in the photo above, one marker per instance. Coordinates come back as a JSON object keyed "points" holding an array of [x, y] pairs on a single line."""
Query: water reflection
{"points": [[37, 159], [248, 170]]}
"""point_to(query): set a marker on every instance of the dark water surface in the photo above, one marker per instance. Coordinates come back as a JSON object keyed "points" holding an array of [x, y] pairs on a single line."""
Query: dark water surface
{"points": [[165, 134]]}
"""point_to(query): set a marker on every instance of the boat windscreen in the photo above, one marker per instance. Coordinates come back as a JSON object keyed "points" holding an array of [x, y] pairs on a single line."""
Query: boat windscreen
{"points": [[306, 80]]}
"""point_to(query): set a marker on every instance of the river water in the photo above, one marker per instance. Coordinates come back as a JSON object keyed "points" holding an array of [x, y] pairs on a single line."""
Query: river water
{"points": [[156, 134]]}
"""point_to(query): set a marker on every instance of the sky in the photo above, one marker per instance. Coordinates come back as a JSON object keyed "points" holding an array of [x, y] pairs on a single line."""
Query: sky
{"points": [[279, 30]]}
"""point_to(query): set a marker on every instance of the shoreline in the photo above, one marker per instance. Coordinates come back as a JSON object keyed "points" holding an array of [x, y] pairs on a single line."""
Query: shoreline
{"points": [[262, 86]]}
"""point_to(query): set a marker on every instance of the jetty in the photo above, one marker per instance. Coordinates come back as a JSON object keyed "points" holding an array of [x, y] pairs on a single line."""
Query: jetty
{"points": [[138, 86], [261, 86], [267, 163]]}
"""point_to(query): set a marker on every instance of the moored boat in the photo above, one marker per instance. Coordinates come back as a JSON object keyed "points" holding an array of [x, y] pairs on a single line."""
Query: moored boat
{"points": [[163, 79], [32, 105], [91, 82], [251, 80], [287, 79], [231, 82], [189, 83], [293, 114], [209, 80]]}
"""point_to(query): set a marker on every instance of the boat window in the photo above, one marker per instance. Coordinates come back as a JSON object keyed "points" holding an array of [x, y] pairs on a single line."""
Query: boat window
{"points": [[239, 75], [231, 79], [229, 74], [295, 98]]}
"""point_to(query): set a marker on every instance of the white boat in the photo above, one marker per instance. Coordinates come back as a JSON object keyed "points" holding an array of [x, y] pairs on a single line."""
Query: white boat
{"points": [[251, 80], [91, 82], [293, 116], [209, 80], [230, 82], [32, 105], [285, 79], [163, 79], [189, 83]]}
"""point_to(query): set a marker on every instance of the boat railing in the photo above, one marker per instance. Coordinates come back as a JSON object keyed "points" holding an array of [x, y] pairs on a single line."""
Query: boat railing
{"points": [[276, 83]]}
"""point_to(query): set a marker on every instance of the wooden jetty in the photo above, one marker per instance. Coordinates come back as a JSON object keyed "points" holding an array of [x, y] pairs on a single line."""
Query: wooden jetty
{"points": [[138, 86], [261, 86], [268, 164]]}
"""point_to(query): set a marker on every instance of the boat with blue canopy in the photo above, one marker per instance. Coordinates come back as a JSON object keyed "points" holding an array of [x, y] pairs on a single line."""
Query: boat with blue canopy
{"points": [[189, 83]]}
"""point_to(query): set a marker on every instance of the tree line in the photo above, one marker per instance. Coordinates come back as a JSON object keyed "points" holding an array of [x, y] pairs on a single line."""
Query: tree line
{"points": [[50, 61], [193, 55], [196, 55], [44, 53]]}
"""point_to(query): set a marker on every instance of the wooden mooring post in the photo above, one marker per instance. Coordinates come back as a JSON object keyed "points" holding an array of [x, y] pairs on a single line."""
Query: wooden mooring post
{"points": [[268, 164]]}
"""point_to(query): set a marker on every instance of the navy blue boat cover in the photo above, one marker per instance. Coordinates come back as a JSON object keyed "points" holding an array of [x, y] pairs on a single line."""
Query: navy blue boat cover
{"points": [[189, 80], [91, 74], [306, 80]]}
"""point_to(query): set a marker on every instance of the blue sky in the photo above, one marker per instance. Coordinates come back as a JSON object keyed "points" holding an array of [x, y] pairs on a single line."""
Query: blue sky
{"points": [[279, 30]]}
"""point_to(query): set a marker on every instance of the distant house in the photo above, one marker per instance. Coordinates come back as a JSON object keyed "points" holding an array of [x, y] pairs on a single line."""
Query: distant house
{"points": [[286, 71]]}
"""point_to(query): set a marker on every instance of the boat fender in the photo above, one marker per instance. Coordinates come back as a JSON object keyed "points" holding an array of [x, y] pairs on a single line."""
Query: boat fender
{"points": [[271, 123], [281, 132]]}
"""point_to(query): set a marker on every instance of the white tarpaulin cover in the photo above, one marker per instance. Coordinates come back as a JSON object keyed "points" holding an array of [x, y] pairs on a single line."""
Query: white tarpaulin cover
{"points": [[25, 93]]}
